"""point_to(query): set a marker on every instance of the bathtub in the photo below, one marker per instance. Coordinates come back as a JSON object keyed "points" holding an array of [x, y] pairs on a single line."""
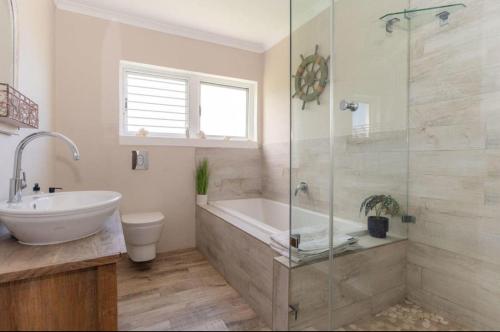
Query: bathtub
{"points": [[234, 235], [262, 218]]}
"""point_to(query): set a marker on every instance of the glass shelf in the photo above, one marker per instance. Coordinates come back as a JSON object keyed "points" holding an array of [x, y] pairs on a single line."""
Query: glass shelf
{"points": [[410, 13]]}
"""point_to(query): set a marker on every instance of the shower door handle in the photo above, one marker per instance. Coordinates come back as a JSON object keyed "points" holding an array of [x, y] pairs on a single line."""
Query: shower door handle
{"points": [[348, 106]]}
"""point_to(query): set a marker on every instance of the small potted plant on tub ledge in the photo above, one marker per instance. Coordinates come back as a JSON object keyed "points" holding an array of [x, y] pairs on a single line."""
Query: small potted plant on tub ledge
{"points": [[382, 206], [202, 177]]}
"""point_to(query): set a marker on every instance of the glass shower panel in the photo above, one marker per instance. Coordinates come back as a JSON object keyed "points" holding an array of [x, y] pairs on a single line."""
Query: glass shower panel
{"points": [[455, 142], [309, 279], [370, 158]]}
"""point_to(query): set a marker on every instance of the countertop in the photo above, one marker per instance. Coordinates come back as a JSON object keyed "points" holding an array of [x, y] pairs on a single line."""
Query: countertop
{"points": [[19, 262]]}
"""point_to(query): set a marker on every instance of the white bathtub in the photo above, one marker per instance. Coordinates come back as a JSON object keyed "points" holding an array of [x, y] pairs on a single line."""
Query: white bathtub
{"points": [[262, 217]]}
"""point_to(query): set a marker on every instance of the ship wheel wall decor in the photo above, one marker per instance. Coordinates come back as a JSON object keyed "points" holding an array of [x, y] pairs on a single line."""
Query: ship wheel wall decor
{"points": [[311, 78]]}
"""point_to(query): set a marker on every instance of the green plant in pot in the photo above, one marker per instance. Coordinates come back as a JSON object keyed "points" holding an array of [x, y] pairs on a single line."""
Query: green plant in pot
{"points": [[381, 205], [202, 179]]}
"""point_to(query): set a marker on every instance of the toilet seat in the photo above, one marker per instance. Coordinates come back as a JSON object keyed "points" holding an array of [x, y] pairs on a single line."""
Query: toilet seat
{"points": [[143, 219]]}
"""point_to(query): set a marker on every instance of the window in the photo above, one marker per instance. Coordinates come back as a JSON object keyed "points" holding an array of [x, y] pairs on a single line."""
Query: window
{"points": [[155, 103], [175, 107], [223, 110]]}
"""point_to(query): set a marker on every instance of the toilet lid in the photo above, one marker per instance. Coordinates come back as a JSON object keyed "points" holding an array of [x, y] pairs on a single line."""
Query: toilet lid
{"points": [[143, 218]]}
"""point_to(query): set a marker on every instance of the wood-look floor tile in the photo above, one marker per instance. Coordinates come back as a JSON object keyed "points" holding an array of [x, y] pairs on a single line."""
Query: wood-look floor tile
{"points": [[180, 291]]}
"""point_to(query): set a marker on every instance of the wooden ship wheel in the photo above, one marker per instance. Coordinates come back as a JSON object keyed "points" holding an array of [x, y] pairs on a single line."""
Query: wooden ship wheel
{"points": [[311, 78]]}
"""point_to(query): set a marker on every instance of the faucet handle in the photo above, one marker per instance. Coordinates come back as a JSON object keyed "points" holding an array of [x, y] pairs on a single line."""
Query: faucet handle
{"points": [[23, 181]]}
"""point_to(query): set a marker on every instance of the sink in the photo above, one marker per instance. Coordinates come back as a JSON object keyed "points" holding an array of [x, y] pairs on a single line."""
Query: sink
{"points": [[57, 218]]}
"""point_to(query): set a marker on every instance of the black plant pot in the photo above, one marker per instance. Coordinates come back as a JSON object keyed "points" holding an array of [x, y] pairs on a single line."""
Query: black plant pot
{"points": [[378, 226]]}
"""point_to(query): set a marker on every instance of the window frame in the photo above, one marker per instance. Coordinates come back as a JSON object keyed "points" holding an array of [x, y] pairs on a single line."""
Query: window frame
{"points": [[194, 81]]}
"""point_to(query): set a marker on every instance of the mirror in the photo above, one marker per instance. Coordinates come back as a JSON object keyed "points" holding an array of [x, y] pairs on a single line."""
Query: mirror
{"points": [[7, 43]]}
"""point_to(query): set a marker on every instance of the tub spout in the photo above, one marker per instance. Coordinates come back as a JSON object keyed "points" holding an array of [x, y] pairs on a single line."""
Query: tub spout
{"points": [[301, 187]]}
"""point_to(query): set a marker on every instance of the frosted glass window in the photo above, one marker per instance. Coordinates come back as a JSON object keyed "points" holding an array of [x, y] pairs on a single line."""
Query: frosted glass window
{"points": [[155, 103], [223, 110]]}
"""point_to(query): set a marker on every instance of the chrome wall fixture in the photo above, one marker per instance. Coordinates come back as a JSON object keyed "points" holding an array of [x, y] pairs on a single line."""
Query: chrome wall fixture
{"points": [[441, 12], [301, 187], [348, 106], [443, 17], [389, 26]]}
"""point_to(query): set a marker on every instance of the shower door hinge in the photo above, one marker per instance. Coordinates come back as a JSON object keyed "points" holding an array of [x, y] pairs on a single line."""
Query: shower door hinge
{"points": [[295, 240], [293, 309]]}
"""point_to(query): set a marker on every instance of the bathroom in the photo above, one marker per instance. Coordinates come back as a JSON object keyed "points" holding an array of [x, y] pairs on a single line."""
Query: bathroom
{"points": [[249, 165]]}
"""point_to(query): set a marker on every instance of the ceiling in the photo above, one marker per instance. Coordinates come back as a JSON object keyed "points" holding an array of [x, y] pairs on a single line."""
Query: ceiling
{"points": [[253, 25]]}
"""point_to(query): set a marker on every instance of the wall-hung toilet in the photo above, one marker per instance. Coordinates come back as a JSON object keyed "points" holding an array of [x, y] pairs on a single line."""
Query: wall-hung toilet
{"points": [[142, 232]]}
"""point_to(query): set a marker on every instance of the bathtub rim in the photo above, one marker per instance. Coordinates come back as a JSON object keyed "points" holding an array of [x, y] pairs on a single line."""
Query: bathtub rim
{"points": [[254, 227], [245, 223]]}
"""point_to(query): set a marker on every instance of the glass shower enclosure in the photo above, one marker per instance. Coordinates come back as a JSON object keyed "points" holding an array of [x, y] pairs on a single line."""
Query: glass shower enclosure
{"points": [[349, 160]]}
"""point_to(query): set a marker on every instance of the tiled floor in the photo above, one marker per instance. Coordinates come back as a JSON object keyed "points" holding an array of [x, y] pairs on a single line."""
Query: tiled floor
{"points": [[404, 317], [181, 292]]}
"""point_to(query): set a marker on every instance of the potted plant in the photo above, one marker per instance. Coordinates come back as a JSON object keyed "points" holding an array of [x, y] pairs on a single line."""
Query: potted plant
{"points": [[382, 205], [202, 177]]}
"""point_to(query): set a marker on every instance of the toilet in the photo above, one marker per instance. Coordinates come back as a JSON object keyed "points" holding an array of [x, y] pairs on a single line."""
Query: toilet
{"points": [[142, 232]]}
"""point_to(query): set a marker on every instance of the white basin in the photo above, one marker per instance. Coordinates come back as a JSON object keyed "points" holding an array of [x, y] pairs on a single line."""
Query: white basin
{"points": [[58, 218]]}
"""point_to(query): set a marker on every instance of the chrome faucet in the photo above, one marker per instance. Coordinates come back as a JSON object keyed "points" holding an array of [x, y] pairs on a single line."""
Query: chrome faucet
{"points": [[18, 181], [304, 187]]}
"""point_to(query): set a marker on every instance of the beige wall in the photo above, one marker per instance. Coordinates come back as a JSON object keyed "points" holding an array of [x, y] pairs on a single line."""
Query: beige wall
{"points": [[314, 121], [454, 261], [371, 65], [36, 48], [6, 42], [276, 93], [308, 126], [88, 51], [276, 123]]}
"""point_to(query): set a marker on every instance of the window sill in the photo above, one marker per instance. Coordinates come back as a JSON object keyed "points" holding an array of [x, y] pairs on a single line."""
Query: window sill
{"points": [[187, 142]]}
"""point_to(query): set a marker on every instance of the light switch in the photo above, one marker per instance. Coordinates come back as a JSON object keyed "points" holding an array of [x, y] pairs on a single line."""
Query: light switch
{"points": [[140, 160]]}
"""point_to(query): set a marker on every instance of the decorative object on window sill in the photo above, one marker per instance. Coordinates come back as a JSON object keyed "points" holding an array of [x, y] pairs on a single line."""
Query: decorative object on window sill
{"points": [[142, 133], [311, 78], [16, 109], [201, 135]]}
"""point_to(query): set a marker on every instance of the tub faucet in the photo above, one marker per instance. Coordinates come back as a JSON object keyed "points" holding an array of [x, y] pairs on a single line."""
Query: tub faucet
{"points": [[304, 187], [18, 181]]}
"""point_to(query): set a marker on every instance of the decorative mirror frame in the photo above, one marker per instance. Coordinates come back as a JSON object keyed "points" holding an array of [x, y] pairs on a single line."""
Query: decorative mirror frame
{"points": [[16, 110], [15, 40]]}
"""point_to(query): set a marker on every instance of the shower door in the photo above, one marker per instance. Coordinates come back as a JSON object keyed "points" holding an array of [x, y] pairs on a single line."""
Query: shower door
{"points": [[311, 54], [369, 157], [349, 143]]}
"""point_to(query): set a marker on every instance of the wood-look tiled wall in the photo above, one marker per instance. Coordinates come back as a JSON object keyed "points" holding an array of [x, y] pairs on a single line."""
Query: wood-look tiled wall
{"points": [[362, 167], [454, 252], [310, 163], [244, 261], [364, 283], [276, 171], [234, 173], [453, 255]]}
